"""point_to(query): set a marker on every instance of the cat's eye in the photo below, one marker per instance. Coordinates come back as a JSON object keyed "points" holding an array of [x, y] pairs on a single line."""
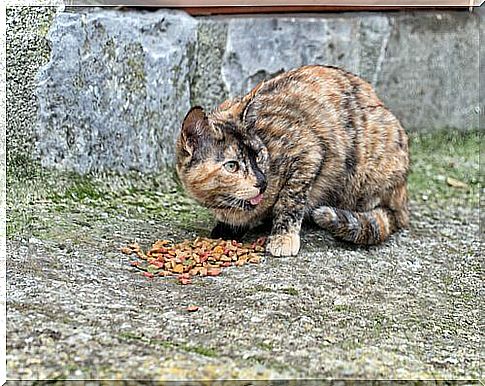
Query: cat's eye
{"points": [[232, 166]]}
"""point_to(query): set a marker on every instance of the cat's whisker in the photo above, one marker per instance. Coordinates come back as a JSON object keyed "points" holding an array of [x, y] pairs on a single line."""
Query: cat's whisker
{"points": [[229, 203]]}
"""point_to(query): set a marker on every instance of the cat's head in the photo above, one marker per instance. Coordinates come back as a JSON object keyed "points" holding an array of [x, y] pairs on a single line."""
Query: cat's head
{"points": [[218, 165]]}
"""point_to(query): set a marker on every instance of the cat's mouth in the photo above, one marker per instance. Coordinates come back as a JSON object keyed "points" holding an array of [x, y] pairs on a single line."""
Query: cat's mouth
{"points": [[256, 200]]}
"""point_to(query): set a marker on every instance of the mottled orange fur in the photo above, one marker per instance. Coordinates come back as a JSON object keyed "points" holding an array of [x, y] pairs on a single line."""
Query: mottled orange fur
{"points": [[316, 142]]}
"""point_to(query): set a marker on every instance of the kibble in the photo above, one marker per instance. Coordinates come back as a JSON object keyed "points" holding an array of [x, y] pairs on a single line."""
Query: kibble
{"points": [[199, 257]]}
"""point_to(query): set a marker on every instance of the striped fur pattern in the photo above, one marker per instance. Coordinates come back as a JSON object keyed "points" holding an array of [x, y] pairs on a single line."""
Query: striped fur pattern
{"points": [[314, 142]]}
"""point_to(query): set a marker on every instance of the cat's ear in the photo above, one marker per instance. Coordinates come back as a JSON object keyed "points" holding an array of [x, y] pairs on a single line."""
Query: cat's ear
{"points": [[194, 126]]}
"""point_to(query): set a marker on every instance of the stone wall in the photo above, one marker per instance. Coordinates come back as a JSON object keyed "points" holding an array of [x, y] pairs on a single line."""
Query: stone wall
{"points": [[119, 82], [115, 90], [27, 49]]}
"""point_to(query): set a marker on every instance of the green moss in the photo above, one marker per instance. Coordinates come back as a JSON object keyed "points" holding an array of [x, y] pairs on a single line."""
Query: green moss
{"points": [[126, 335], [439, 155], [261, 288], [27, 49], [273, 364], [201, 350], [135, 77], [468, 297], [130, 335], [21, 222], [82, 188], [138, 70], [205, 89], [41, 204], [21, 166], [265, 346], [379, 324], [343, 308], [46, 22], [448, 280], [290, 291], [160, 198]]}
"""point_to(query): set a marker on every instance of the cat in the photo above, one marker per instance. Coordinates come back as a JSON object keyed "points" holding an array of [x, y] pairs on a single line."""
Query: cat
{"points": [[314, 142]]}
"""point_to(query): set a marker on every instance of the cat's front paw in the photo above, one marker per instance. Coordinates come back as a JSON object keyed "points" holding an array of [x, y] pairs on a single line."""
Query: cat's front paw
{"points": [[284, 245]]}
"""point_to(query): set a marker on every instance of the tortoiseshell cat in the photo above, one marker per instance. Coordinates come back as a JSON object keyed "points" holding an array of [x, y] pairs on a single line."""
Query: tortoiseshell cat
{"points": [[313, 142]]}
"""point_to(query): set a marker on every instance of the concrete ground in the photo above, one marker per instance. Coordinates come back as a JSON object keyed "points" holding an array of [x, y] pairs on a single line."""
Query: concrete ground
{"points": [[408, 309]]}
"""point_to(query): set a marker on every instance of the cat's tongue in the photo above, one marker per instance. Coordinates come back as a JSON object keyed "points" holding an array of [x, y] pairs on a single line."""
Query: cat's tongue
{"points": [[256, 200]]}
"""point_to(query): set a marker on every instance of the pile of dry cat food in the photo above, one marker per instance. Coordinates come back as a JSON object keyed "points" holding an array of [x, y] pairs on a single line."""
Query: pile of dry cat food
{"points": [[202, 256]]}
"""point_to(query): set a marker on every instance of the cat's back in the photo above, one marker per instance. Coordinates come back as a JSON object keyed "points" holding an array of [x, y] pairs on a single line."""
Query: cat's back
{"points": [[328, 104], [336, 113], [312, 94]]}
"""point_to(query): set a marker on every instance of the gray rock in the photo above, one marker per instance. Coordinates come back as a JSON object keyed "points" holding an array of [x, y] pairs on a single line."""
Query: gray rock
{"points": [[26, 50], [259, 48], [424, 67], [207, 88], [429, 74], [120, 82], [115, 90]]}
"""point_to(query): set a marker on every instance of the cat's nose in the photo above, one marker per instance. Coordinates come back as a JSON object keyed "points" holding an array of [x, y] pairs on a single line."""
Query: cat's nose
{"points": [[261, 185]]}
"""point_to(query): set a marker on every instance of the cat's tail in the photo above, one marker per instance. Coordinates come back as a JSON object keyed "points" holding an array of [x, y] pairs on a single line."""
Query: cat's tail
{"points": [[372, 227]]}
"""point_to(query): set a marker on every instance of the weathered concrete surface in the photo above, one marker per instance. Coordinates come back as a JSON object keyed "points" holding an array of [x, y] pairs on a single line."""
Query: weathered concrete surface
{"points": [[408, 309], [115, 89], [482, 110], [423, 78], [208, 88]]}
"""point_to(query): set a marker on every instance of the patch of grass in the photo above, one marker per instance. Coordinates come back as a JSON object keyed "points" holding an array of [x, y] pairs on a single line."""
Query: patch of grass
{"points": [[439, 155], [19, 222], [261, 288], [144, 197], [21, 166], [131, 335], [290, 291], [265, 346], [201, 350], [82, 188], [342, 308]]}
